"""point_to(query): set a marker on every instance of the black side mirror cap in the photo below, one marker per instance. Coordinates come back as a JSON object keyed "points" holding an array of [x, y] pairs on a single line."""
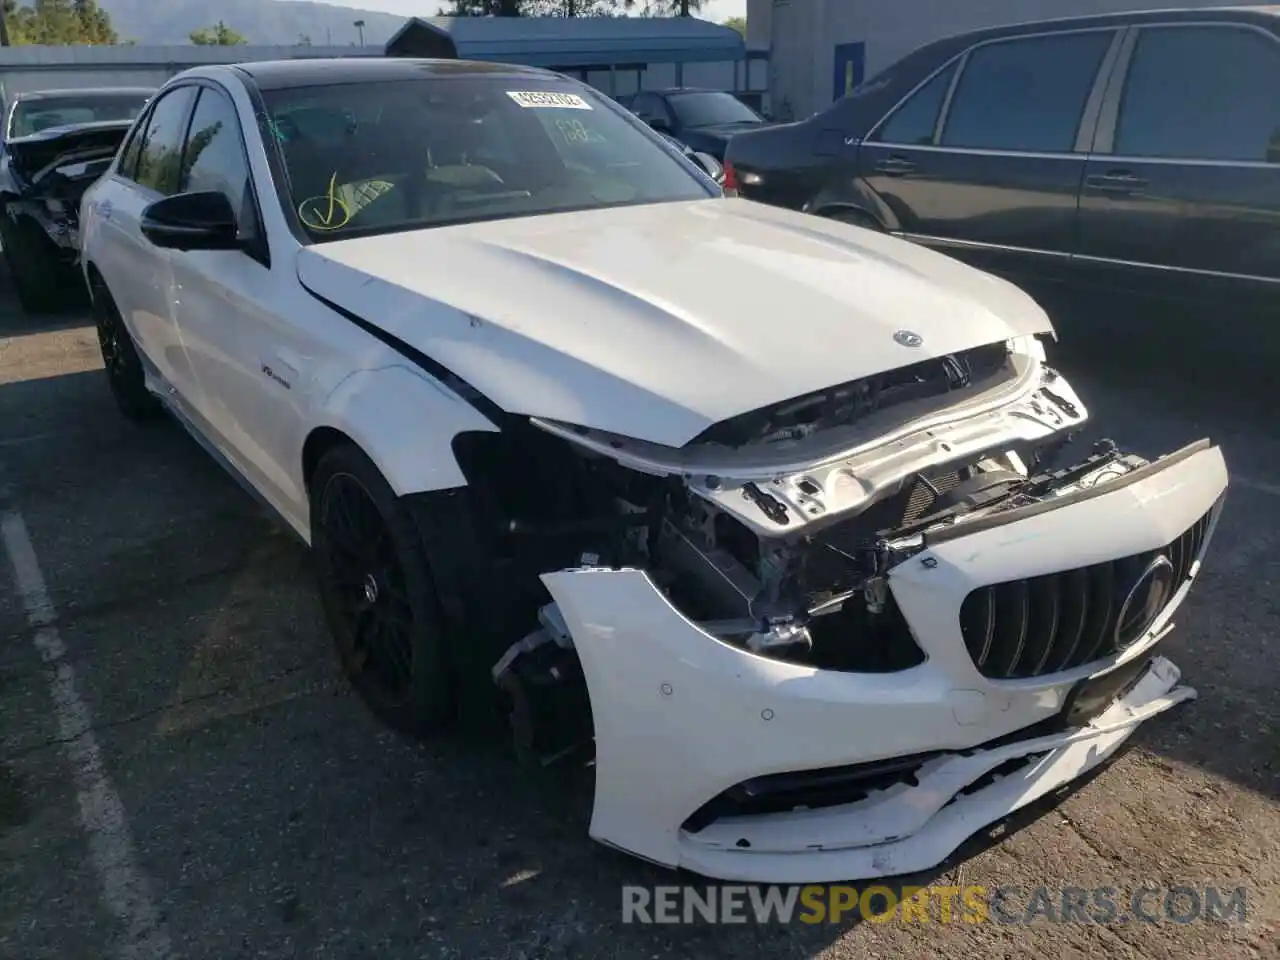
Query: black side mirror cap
{"points": [[192, 221]]}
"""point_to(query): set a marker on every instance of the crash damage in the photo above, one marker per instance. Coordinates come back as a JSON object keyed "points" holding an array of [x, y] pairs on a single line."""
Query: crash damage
{"points": [[47, 174], [832, 638]]}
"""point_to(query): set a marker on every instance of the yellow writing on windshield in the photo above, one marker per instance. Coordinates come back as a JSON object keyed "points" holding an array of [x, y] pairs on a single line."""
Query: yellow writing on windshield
{"points": [[329, 212]]}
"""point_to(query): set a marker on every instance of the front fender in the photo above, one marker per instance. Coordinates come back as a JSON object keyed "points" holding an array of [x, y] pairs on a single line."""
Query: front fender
{"points": [[405, 422]]}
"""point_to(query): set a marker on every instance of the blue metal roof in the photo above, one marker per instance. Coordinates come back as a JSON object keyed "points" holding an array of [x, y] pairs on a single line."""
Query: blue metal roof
{"points": [[581, 41]]}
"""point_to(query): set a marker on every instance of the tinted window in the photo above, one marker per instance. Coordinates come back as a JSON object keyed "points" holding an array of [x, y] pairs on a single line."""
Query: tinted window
{"points": [[129, 155], [1207, 92], [1025, 94], [706, 109], [213, 158], [159, 157], [375, 157], [44, 113], [915, 120]]}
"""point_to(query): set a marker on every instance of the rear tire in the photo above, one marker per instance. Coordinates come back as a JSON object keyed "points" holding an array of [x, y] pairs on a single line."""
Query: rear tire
{"points": [[34, 264], [120, 357], [379, 596]]}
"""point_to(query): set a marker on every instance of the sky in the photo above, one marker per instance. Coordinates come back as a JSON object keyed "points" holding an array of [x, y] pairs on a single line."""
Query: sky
{"points": [[716, 10]]}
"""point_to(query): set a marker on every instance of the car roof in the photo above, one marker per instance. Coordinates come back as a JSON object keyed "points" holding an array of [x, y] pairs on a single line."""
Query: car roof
{"points": [[284, 74], [1268, 14], [83, 92]]}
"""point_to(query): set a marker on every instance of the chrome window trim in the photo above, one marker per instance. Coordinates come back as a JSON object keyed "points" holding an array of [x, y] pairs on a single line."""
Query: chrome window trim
{"points": [[1088, 127], [1059, 255], [1104, 134], [963, 55], [1098, 73], [1109, 121], [869, 137], [945, 108]]}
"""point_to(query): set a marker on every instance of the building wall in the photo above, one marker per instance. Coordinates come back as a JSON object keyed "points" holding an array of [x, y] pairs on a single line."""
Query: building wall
{"points": [[804, 34]]}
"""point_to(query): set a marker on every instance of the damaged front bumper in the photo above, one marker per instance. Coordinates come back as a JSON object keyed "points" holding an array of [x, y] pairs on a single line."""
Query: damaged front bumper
{"points": [[738, 766]]}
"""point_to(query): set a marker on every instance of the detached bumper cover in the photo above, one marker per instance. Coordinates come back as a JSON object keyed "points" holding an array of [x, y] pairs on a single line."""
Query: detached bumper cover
{"points": [[680, 717]]}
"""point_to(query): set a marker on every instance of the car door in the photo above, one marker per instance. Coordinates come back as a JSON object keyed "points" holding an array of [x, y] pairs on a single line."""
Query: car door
{"points": [[1184, 182], [244, 357], [136, 272], [985, 157]]}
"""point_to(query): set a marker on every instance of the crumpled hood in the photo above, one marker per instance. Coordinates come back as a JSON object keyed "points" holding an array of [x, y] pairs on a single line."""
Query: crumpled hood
{"points": [[33, 155], [658, 321]]}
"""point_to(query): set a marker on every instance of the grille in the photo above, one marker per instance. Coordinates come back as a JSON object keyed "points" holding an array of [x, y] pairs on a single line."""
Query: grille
{"points": [[1059, 621]]}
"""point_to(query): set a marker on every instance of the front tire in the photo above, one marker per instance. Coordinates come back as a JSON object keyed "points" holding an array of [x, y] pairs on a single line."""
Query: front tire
{"points": [[378, 594], [125, 375]]}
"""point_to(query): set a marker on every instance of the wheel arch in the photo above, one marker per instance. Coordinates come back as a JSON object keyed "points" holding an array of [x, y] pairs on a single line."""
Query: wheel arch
{"points": [[403, 420]]}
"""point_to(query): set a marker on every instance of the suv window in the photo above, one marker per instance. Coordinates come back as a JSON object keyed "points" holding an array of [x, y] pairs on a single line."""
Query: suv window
{"points": [[915, 120], [1026, 94], [159, 158], [1201, 92], [214, 158]]}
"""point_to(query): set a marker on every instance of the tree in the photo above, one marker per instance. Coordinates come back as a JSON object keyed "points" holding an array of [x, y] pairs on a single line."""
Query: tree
{"points": [[56, 23], [738, 23], [219, 35], [670, 8]]}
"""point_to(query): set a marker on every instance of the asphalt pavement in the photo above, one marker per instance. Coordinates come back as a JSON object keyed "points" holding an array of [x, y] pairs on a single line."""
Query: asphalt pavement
{"points": [[183, 773]]}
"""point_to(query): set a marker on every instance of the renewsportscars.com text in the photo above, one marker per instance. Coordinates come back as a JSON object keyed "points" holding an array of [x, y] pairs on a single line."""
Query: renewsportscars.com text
{"points": [[934, 904]]}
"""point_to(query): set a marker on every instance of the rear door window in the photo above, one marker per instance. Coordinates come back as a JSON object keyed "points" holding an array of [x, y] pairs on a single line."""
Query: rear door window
{"points": [[1027, 94], [1207, 92], [915, 121]]}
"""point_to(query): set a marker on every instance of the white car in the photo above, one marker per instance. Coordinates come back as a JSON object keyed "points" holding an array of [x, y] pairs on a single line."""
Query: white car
{"points": [[765, 509]]}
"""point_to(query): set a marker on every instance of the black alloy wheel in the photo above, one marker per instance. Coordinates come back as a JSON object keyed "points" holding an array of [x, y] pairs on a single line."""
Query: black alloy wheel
{"points": [[378, 594], [366, 584], [120, 358]]}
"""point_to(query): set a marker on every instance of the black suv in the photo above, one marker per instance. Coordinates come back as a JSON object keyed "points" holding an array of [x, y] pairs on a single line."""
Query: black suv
{"points": [[1138, 149], [703, 120]]}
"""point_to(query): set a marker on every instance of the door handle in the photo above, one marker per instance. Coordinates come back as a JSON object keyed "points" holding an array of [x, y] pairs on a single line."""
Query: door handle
{"points": [[895, 166], [105, 208], [1116, 181]]}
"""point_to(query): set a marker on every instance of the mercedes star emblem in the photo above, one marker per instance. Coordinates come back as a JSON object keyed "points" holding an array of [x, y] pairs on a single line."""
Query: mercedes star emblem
{"points": [[908, 338]]}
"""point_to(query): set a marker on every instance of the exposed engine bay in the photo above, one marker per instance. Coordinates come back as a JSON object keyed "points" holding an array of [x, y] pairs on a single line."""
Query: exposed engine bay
{"points": [[789, 564], [48, 174]]}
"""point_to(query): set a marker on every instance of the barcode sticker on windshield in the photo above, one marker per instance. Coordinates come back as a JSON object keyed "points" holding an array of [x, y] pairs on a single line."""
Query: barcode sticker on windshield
{"points": [[541, 98]]}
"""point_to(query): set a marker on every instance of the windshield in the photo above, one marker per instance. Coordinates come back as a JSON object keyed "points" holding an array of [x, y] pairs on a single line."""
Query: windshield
{"points": [[711, 108], [365, 158], [44, 113]]}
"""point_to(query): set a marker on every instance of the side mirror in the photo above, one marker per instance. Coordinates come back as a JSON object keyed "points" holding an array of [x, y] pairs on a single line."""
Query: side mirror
{"points": [[192, 221], [714, 168]]}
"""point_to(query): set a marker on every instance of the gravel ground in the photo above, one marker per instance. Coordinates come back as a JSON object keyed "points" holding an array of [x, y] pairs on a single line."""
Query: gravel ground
{"points": [[242, 803]]}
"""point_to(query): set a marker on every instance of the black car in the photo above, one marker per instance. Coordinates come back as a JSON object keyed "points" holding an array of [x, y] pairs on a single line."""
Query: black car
{"points": [[1141, 150], [53, 145], [703, 120]]}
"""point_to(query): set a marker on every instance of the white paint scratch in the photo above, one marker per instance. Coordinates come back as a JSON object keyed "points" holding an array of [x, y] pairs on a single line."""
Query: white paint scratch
{"points": [[125, 889]]}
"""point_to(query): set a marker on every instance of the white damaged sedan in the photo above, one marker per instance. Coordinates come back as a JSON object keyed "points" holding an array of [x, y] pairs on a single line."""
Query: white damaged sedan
{"points": [[774, 517]]}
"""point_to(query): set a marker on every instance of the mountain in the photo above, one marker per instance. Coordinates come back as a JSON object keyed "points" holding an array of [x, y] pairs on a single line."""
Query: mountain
{"points": [[259, 21]]}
